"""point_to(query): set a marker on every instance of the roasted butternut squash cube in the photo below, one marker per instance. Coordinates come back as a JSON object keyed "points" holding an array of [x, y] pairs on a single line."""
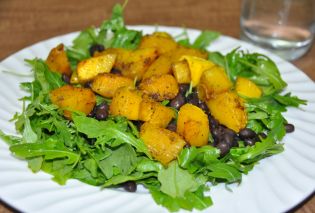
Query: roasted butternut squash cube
{"points": [[88, 69], [162, 65], [106, 84], [246, 87], [155, 113], [164, 145], [181, 72], [197, 66], [193, 125], [126, 102], [212, 82], [181, 51], [73, 99], [57, 60], [163, 42], [228, 109], [133, 63], [160, 87]]}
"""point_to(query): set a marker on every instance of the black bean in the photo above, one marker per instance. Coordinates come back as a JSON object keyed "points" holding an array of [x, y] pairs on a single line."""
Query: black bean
{"points": [[249, 141], [171, 127], [262, 135], [227, 138], [183, 88], [130, 186], [256, 138], [235, 141], [203, 106], [246, 133], [187, 145], [224, 148], [101, 112], [66, 78], [192, 98], [92, 113], [96, 48], [88, 84], [213, 122], [178, 101], [138, 124], [289, 128], [103, 106], [91, 141], [229, 132], [216, 132], [116, 71]]}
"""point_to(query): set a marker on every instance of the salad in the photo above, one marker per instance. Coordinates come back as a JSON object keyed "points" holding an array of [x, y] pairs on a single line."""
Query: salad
{"points": [[119, 109]]}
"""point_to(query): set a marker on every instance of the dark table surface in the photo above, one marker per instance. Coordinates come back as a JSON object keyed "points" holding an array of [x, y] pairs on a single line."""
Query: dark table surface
{"points": [[24, 22]]}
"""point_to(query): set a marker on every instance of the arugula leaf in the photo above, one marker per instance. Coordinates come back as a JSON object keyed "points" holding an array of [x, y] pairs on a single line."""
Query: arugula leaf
{"points": [[264, 113], [91, 165], [206, 158], [257, 67], [289, 100], [85, 172], [147, 165], [10, 139], [217, 58], [122, 37], [50, 149], [60, 170], [257, 152], [224, 171], [165, 200], [190, 201], [35, 164], [47, 79], [116, 22], [197, 199], [193, 158], [176, 181], [112, 33], [204, 39], [266, 147], [124, 158], [80, 46], [28, 134], [107, 130], [118, 179]]}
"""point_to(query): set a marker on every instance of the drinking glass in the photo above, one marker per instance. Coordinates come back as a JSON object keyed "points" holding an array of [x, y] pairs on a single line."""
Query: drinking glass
{"points": [[285, 27]]}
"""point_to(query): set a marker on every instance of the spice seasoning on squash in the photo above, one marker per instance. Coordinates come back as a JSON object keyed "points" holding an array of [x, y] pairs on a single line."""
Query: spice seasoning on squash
{"points": [[164, 145], [126, 102], [106, 84], [57, 60], [73, 98], [160, 87], [228, 108], [193, 125]]}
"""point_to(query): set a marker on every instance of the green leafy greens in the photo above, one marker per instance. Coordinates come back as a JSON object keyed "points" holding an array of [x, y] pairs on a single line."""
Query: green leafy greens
{"points": [[254, 66], [112, 33]]}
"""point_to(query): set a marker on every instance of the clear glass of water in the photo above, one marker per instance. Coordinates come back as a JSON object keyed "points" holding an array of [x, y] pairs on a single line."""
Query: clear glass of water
{"points": [[285, 27]]}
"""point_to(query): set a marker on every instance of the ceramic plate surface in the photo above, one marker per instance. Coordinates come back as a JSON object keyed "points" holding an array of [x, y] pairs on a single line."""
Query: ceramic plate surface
{"points": [[277, 184]]}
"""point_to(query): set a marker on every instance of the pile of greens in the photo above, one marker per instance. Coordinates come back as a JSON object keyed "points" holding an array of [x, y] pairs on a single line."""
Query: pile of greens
{"points": [[109, 153]]}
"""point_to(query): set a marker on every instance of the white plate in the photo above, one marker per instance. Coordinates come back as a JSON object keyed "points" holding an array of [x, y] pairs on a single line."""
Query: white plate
{"points": [[277, 184]]}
